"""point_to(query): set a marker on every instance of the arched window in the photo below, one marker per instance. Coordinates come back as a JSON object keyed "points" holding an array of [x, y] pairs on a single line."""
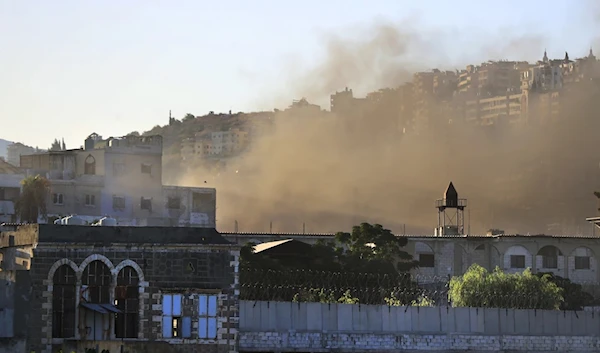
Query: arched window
{"points": [[90, 165], [549, 256], [96, 281], [127, 301], [63, 302]]}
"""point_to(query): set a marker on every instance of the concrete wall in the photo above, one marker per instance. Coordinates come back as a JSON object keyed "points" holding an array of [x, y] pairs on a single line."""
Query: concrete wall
{"points": [[345, 326]]}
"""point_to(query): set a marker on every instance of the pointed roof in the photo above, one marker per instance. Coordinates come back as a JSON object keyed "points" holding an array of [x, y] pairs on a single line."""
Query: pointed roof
{"points": [[545, 59], [451, 192]]}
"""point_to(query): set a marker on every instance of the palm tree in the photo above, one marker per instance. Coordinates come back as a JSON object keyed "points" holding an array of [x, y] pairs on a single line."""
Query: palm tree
{"points": [[32, 202]]}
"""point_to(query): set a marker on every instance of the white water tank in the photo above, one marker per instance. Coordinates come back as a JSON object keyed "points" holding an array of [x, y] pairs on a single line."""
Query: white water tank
{"points": [[107, 222], [73, 221]]}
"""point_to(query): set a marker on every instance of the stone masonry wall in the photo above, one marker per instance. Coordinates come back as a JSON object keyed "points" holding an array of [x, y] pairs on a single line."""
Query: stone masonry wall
{"points": [[189, 269], [364, 342]]}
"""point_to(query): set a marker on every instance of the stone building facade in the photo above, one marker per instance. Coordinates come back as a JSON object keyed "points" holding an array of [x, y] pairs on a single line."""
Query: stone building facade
{"points": [[134, 289]]}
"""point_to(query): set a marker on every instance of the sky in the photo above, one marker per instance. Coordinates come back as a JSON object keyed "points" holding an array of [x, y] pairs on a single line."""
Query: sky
{"points": [[70, 68]]}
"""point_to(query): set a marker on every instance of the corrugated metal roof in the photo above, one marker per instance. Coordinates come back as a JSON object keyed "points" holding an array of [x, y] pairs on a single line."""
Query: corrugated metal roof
{"points": [[269, 245]]}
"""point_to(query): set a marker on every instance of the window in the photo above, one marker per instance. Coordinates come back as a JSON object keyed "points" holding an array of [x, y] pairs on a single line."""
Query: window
{"points": [[63, 302], [96, 283], [549, 262], [426, 260], [118, 169], [90, 200], [2, 194], [207, 316], [146, 168], [57, 199], [174, 203], [174, 324], [90, 165], [127, 300], [549, 256], [146, 204], [118, 203], [517, 261], [582, 263]]}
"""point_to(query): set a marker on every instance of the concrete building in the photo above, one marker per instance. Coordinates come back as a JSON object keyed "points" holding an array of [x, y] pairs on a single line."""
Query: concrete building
{"points": [[72, 288], [10, 189], [119, 178], [494, 110], [16, 150]]}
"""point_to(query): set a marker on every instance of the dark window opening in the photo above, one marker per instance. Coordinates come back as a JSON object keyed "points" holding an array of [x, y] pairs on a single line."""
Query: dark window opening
{"points": [[146, 168], [426, 260], [2, 194], [550, 256], [202, 202], [582, 263], [146, 204], [549, 262], [517, 261], [174, 203], [127, 300], [96, 283], [90, 165], [57, 199], [90, 200], [118, 203], [63, 302]]}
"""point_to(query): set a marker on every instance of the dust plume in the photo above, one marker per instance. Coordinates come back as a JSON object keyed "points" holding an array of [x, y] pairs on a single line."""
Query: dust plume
{"points": [[328, 171]]}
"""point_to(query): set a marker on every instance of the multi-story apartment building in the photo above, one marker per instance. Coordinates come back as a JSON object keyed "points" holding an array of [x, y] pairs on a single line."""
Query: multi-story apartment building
{"points": [[492, 110], [431, 92], [16, 150], [223, 143], [119, 178], [10, 189]]}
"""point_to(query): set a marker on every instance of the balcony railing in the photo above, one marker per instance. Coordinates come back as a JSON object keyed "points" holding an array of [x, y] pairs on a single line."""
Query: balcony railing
{"points": [[451, 203]]}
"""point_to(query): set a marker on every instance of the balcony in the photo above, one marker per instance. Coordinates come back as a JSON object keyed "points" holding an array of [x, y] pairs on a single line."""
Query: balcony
{"points": [[451, 203]]}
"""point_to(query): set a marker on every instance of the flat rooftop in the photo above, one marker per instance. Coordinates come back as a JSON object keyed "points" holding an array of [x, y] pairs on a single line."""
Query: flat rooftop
{"points": [[103, 235]]}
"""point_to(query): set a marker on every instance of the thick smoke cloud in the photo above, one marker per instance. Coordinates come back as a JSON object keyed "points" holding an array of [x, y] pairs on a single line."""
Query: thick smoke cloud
{"points": [[330, 172]]}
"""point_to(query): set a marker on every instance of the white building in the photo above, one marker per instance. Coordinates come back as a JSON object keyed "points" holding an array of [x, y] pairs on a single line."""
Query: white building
{"points": [[120, 178], [10, 189]]}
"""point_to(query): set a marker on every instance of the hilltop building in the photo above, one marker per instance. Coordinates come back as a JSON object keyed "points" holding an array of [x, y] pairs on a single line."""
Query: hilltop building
{"points": [[16, 150], [120, 178], [10, 189]]}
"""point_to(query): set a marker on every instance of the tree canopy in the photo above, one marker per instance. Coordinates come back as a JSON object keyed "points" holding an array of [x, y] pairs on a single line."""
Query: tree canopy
{"points": [[32, 202], [480, 288], [367, 265]]}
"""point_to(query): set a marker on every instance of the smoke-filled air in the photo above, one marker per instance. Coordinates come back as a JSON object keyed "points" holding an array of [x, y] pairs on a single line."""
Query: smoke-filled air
{"points": [[384, 157]]}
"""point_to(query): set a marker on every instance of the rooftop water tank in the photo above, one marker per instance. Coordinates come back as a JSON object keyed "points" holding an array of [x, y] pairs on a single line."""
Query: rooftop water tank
{"points": [[107, 222]]}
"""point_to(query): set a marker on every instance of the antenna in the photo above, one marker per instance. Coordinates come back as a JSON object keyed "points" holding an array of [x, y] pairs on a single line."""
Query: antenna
{"points": [[271, 227], [303, 228], [236, 226]]}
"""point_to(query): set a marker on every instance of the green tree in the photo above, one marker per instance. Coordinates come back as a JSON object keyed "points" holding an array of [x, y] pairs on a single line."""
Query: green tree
{"points": [[32, 201], [373, 249], [575, 298], [367, 265], [480, 288]]}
